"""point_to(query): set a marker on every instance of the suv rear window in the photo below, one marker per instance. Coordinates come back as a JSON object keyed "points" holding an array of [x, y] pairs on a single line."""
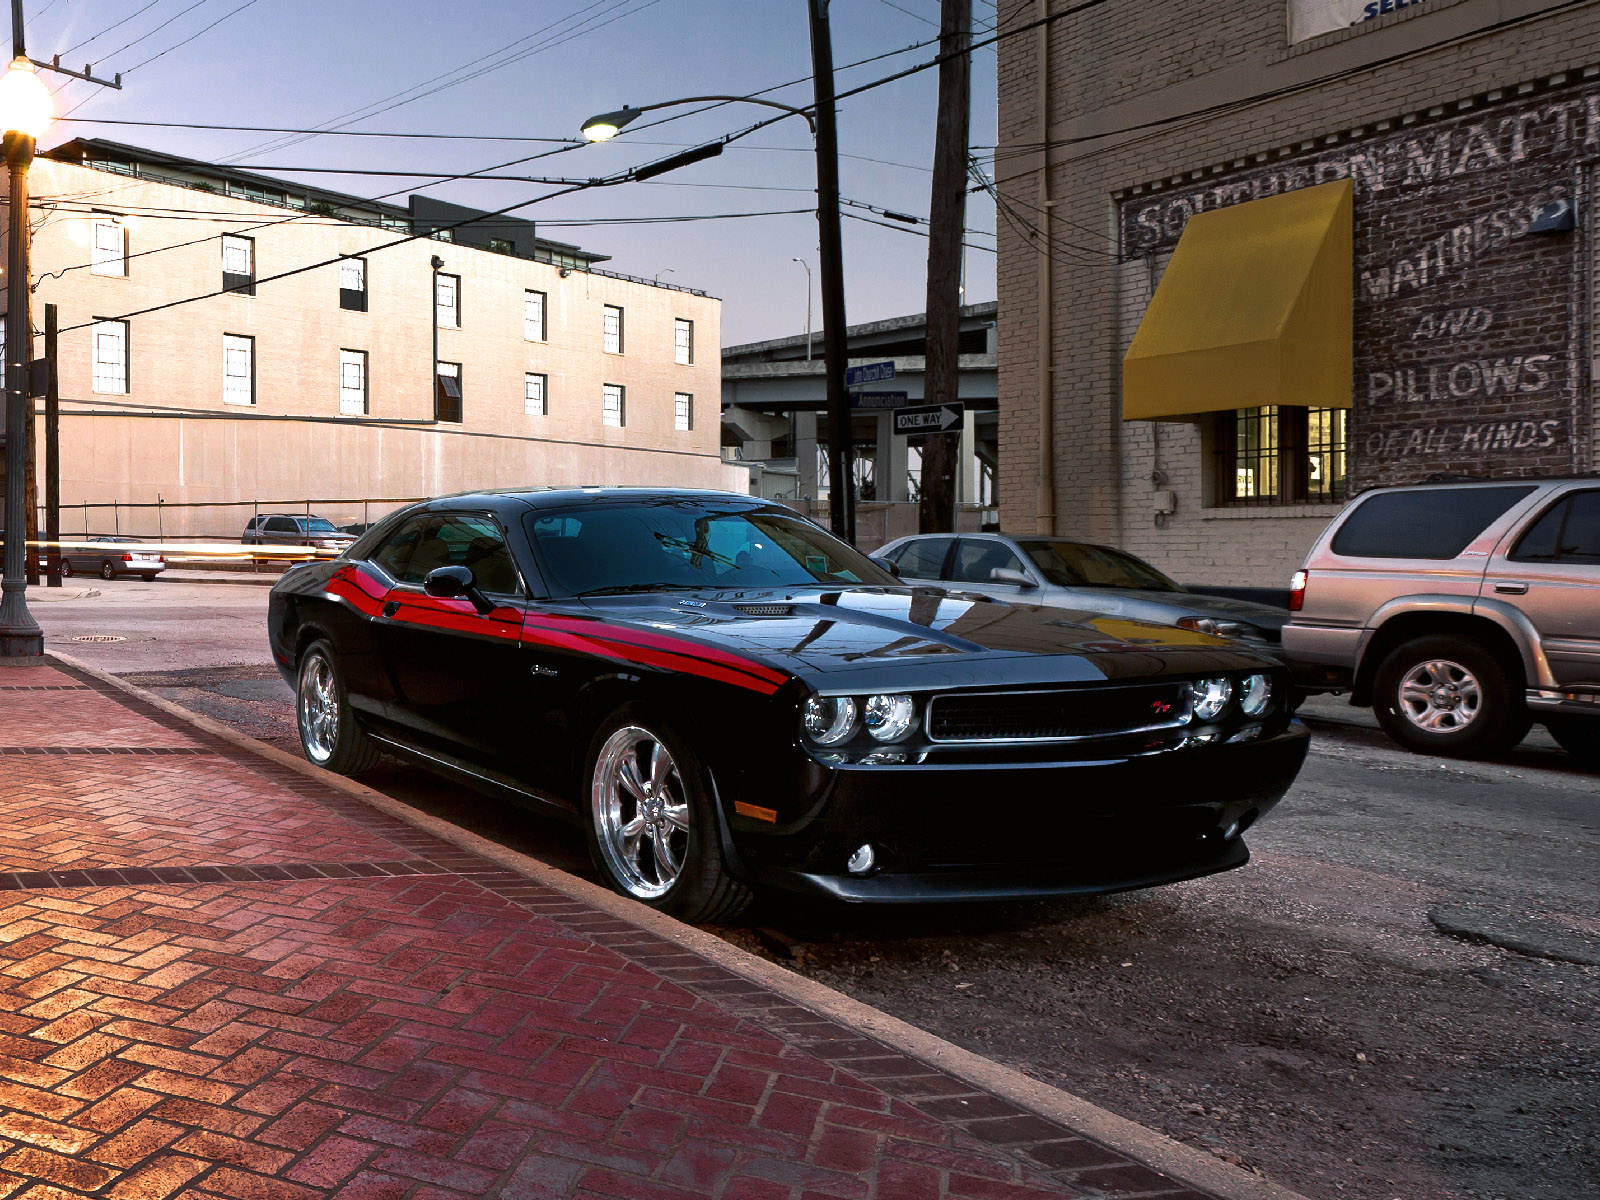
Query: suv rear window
{"points": [[1424, 524]]}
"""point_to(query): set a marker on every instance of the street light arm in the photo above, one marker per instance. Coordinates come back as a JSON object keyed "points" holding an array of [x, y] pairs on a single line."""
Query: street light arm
{"points": [[607, 125]]}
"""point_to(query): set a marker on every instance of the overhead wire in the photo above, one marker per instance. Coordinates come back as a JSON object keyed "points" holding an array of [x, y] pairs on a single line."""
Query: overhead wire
{"points": [[97, 36]]}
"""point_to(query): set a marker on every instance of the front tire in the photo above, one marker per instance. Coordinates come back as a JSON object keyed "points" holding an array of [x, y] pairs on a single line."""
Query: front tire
{"points": [[1578, 736], [1449, 695], [650, 824], [328, 731]]}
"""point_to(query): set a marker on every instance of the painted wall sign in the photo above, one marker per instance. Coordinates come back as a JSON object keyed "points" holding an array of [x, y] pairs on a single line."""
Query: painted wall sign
{"points": [[1313, 18]]}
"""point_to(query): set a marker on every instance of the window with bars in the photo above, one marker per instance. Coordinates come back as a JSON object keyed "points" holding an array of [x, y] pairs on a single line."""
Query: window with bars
{"points": [[238, 369], [110, 372], [613, 400], [110, 252], [1282, 455], [534, 328], [353, 383], [682, 411], [533, 395], [447, 392], [238, 264], [613, 329], [682, 341], [353, 284], [447, 301]]}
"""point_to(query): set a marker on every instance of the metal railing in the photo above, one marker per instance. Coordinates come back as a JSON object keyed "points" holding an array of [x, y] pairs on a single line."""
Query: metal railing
{"points": [[211, 520]]}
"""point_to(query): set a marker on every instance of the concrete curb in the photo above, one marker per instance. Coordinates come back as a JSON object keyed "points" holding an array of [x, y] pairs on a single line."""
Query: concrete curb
{"points": [[1183, 1163]]}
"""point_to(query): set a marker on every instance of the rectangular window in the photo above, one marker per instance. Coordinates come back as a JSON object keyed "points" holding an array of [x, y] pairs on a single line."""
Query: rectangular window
{"points": [[1282, 455], [533, 395], [110, 256], [534, 328], [238, 369], [353, 284], [502, 246], [447, 393], [682, 341], [613, 329], [682, 411], [110, 356], [238, 264], [353, 383], [612, 405], [447, 301]]}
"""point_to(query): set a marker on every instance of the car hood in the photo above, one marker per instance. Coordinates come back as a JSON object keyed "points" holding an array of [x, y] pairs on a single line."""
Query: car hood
{"points": [[947, 638], [1222, 607]]}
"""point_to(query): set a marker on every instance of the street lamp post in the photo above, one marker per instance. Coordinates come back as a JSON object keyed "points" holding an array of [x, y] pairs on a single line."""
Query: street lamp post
{"points": [[807, 267], [24, 114]]}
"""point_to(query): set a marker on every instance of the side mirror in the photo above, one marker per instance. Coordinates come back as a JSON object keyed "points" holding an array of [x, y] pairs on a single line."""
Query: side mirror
{"points": [[1007, 575], [449, 582], [886, 565]]}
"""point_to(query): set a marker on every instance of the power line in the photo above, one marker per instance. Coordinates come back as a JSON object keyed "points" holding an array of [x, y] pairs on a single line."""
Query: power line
{"points": [[922, 232], [442, 137], [200, 33], [96, 36]]}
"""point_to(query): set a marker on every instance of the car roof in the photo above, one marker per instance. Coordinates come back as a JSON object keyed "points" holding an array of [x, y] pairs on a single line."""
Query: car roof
{"points": [[561, 497]]}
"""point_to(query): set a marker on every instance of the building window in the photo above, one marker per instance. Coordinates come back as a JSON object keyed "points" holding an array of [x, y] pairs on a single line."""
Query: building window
{"points": [[682, 411], [612, 405], [682, 341], [447, 393], [110, 255], [447, 301], [534, 328], [1282, 455], [110, 356], [238, 369], [353, 383], [353, 284], [613, 328], [502, 246], [238, 264], [533, 395]]}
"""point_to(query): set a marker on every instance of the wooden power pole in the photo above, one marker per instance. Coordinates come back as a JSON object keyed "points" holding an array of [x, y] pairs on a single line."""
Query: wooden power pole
{"points": [[946, 223]]}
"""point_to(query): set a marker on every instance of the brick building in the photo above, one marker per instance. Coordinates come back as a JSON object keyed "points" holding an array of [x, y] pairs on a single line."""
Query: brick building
{"points": [[1257, 257], [201, 362]]}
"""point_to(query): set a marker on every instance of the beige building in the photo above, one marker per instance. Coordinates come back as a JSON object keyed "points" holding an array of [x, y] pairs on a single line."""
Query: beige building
{"points": [[230, 338]]}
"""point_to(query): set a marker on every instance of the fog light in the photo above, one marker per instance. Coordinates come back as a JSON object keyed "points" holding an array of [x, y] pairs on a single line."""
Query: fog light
{"points": [[1255, 694], [1231, 832], [862, 861], [1211, 696], [879, 758]]}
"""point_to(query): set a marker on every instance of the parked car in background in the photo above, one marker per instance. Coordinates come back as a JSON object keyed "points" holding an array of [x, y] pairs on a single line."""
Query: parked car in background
{"points": [[727, 697], [112, 556], [294, 529], [1461, 612], [1081, 576]]}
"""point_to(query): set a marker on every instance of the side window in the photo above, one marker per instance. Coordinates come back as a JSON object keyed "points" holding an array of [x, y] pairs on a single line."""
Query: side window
{"points": [[281, 525], [453, 540], [923, 559], [1437, 524], [976, 559], [395, 553], [1569, 531]]}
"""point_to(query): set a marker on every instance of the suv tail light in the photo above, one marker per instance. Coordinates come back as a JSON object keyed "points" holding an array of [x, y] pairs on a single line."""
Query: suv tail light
{"points": [[1297, 591]]}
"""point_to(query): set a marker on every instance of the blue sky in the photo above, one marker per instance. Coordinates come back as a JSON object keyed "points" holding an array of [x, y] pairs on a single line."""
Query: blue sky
{"points": [[305, 63]]}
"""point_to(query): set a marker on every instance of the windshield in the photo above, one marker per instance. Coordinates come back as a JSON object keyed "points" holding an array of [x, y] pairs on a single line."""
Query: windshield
{"points": [[682, 543], [320, 525], [1074, 564]]}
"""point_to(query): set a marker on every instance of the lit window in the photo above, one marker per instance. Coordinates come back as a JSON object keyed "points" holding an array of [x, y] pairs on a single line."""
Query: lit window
{"points": [[353, 383], [110, 356], [533, 319], [612, 399], [1282, 455], [238, 369], [447, 392], [447, 300], [238, 264], [533, 395], [682, 411], [353, 284], [613, 329], [110, 255], [682, 341]]}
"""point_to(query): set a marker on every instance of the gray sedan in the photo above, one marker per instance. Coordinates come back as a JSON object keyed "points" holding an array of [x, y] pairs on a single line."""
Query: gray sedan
{"points": [[1080, 576], [111, 557]]}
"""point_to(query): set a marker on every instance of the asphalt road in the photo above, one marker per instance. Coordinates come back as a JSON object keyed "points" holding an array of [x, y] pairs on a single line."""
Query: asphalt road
{"points": [[1396, 998]]}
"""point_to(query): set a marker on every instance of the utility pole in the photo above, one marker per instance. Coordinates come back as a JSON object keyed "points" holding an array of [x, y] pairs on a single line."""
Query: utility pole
{"points": [[52, 451], [947, 215], [835, 347]]}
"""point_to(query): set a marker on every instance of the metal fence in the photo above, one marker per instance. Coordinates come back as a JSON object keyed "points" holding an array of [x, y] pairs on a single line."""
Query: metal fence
{"points": [[212, 520]]}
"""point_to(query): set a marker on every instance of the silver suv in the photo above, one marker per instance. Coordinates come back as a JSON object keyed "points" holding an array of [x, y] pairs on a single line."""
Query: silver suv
{"points": [[1461, 612]]}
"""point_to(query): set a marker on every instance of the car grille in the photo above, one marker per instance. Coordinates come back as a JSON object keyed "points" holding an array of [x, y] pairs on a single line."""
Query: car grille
{"points": [[1055, 715]]}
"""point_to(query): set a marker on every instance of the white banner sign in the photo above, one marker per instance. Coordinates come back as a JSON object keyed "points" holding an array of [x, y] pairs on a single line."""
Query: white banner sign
{"points": [[1313, 18]]}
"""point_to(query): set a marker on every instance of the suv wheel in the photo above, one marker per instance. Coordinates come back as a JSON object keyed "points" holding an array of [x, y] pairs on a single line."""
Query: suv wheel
{"points": [[1578, 736], [1449, 695]]}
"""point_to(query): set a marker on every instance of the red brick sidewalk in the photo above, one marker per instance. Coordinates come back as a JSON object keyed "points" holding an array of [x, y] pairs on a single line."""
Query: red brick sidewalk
{"points": [[222, 978]]}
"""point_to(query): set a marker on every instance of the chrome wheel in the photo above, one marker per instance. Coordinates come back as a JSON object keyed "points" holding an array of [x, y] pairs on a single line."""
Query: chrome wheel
{"points": [[640, 811], [1439, 696], [319, 709]]}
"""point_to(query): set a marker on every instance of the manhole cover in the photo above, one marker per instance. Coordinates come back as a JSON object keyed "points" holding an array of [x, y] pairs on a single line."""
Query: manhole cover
{"points": [[99, 637]]}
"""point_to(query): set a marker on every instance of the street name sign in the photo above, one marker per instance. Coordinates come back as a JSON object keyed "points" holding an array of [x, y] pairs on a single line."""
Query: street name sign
{"points": [[932, 418], [879, 399], [878, 372]]}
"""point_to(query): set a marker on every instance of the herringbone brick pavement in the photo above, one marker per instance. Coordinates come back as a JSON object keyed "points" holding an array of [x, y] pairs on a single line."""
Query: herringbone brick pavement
{"points": [[32, 716]]}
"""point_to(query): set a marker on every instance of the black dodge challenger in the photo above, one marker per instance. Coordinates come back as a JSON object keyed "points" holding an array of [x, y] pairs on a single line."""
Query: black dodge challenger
{"points": [[729, 698]]}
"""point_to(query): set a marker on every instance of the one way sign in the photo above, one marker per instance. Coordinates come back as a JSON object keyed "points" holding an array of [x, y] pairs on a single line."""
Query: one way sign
{"points": [[933, 418]]}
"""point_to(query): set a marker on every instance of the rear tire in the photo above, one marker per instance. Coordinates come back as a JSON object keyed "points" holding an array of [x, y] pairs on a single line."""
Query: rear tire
{"points": [[1449, 695], [650, 824], [107, 571], [329, 734], [1578, 736], [147, 576], [65, 570]]}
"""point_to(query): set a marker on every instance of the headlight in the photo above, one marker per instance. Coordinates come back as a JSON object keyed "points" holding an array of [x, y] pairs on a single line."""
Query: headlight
{"points": [[829, 719], [890, 717], [1255, 694], [1211, 696]]}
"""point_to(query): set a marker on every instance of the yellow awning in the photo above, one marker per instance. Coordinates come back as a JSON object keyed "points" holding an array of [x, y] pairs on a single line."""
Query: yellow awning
{"points": [[1254, 309]]}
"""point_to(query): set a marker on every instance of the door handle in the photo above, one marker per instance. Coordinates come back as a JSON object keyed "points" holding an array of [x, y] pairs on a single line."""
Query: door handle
{"points": [[1511, 587], [392, 607]]}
